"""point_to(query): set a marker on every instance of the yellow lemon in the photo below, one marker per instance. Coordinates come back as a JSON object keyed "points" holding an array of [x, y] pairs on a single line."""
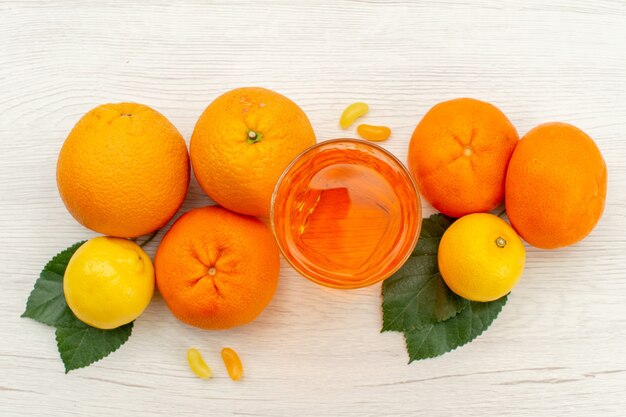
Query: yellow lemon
{"points": [[481, 257], [108, 282]]}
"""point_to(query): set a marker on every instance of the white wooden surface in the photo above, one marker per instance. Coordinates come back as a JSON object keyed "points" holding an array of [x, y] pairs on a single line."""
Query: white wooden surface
{"points": [[558, 348]]}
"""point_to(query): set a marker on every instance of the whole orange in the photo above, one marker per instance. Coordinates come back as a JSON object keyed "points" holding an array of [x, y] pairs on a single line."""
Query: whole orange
{"points": [[555, 186], [459, 154], [242, 143], [123, 170], [217, 269]]}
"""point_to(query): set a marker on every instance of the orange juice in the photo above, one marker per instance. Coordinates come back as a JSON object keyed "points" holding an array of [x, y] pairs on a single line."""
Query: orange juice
{"points": [[346, 213]]}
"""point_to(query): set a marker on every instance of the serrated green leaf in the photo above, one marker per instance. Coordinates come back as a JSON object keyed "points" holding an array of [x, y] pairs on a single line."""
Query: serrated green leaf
{"points": [[416, 295], [435, 225], [418, 298], [432, 230], [438, 338], [82, 346], [46, 302]]}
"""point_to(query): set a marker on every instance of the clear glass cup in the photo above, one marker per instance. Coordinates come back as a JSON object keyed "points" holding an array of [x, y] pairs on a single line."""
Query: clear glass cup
{"points": [[346, 213]]}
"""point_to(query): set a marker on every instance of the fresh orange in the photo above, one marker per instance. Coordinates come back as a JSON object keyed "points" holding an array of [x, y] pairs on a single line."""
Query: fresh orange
{"points": [[242, 143], [459, 154], [123, 170], [217, 269], [555, 186]]}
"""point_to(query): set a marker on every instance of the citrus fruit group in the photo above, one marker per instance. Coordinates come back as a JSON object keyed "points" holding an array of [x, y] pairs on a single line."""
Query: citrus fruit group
{"points": [[555, 186], [459, 154], [480, 257], [242, 143], [217, 269], [108, 282], [123, 170]]}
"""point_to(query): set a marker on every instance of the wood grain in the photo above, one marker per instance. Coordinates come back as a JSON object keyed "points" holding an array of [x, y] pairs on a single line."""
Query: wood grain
{"points": [[557, 348]]}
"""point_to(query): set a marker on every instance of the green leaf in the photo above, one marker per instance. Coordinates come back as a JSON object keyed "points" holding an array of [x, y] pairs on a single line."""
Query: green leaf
{"points": [[435, 225], [416, 295], [438, 338], [418, 298], [46, 302], [82, 346]]}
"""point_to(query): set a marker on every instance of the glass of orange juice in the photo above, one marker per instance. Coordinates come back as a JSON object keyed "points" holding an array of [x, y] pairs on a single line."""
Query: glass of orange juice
{"points": [[346, 213]]}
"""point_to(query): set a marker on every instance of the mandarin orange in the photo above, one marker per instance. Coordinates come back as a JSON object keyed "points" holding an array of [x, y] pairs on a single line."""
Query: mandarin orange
{"points": [[217, 269], [459, 153], [555, 186]]}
